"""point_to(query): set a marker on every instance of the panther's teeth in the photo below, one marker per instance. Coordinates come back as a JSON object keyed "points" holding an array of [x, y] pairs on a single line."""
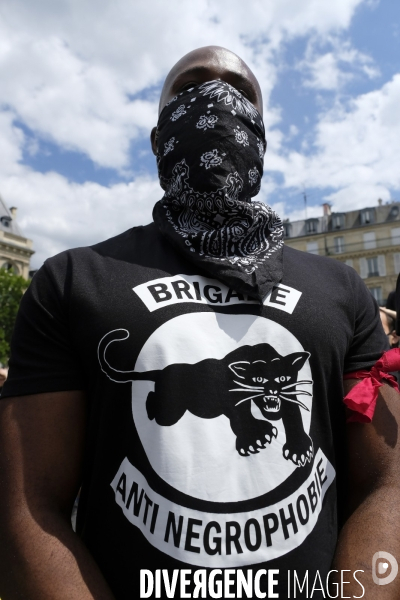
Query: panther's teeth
{"points": [[272, 403]]}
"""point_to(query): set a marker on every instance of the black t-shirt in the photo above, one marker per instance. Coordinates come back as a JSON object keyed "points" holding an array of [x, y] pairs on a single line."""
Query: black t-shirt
{"points": [[216, 434]]}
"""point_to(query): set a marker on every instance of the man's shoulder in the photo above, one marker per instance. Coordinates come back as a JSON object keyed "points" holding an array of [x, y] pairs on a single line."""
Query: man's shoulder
{"points": [[322, 276], [135, 240], [324, 264]]}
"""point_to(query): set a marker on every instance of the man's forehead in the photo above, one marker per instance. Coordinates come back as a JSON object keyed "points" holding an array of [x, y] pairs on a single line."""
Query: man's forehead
{"points": [[205, 64]]}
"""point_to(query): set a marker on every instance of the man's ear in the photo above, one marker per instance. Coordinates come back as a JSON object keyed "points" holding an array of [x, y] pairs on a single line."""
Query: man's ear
{"points": [[153, 140]]}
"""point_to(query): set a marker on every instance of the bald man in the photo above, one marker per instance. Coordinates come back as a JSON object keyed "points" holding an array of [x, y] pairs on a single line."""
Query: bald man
{"points": [[185, 378]]}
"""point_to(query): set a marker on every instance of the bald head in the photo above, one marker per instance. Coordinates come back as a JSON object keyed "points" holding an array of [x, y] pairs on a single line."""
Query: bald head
{"points": [[206, 64]]}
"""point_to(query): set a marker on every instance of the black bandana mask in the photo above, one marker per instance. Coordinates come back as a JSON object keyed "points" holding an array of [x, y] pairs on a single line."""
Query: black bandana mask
{"points": [[211, 148]]}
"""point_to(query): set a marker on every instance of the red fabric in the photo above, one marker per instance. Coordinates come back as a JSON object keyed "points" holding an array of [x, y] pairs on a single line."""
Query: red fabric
{"points": [[362, 397]]}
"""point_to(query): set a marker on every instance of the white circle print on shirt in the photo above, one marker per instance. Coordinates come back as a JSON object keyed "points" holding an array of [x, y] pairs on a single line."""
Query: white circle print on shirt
{"points": [[225, 411]]}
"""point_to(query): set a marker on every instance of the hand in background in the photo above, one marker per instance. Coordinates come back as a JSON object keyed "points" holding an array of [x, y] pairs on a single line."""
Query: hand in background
{"points": [[3, 376]]}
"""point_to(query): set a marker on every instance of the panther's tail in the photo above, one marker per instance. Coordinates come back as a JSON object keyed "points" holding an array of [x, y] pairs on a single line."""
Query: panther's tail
{"points": [[111, 372]]}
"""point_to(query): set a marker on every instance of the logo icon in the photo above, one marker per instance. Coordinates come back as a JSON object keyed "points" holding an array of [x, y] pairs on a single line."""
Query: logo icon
{"points": [[381, 561]]}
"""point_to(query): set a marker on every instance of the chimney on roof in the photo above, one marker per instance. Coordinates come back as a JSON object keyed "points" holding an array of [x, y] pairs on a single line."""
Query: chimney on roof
{"points": [[327, 209], [380, 201], [13, 211]]}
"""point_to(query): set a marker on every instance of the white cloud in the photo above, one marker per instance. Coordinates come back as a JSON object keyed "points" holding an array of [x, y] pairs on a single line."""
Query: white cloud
{"points": [[300, 213], [11, 140], [325, 73], [332, 70], [358, 195], [58, 214], [356, 148], [80, 106], [70, 69]]}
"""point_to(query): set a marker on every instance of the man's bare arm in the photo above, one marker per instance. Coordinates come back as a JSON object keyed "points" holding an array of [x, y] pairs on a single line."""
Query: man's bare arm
{"points": [[374, 506], [41, 448]]}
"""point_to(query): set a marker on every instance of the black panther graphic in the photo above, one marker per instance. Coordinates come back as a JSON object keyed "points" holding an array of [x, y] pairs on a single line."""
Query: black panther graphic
{"points": [[211, 388]]}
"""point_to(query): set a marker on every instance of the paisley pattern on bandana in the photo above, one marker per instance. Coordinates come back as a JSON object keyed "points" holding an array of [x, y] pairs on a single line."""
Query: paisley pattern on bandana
{"points": [[241, 136], [254, 176], [210, 159], [168, 146], [224, 92], [238, 236], [178, 112], [261, 149], [211, 164], [207, 121]]}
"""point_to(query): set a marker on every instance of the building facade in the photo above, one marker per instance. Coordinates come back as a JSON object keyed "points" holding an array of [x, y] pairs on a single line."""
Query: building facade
{"points": [[15, 249], [367, 239]]}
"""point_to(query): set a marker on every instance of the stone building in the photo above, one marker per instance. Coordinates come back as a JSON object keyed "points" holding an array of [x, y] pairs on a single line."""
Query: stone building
{"points": [[367, 239], [15, 249]]}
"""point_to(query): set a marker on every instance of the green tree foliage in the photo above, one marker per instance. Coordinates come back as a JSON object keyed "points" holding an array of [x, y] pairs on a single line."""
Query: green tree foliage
{"points": [[12, 288]]}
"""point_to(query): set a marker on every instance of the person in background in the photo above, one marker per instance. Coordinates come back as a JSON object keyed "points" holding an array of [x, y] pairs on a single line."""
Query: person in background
{"points": [[388, 319], [391, 301], [3, 376]]}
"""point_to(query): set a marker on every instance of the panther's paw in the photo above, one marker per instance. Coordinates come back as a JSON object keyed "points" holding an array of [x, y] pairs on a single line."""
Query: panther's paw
{"points": [[299, 450], [255, 440]]}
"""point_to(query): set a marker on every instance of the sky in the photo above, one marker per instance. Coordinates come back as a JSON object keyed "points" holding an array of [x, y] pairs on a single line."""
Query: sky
{"points": [[80, 81]]}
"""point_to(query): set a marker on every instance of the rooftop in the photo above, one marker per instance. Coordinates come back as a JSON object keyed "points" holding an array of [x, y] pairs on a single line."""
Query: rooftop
{"points": [[339, 221], [8, 221]]}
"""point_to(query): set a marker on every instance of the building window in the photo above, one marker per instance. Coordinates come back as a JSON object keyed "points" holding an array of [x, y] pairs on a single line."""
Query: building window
{"points": [[382, 265], [339, 244], [395, 235], [374, 266], [369, 240], [396, 260], [312, 225], [337, 221], [377, 294], [5, 220], [312, 247], [287, 229], [366, 216], [8, 266], [373, 270], [349, 262]]}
